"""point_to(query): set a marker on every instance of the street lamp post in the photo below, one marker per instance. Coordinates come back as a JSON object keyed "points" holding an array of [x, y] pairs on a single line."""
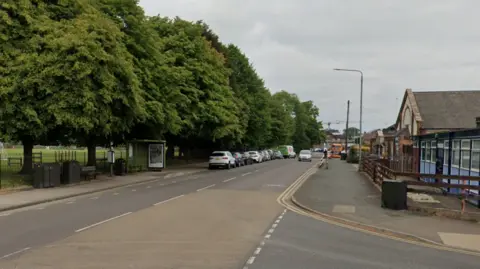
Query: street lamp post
{"points": [[361, 111]]}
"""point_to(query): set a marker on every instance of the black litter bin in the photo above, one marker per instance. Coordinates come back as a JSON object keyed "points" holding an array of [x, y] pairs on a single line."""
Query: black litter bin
{"points": [[120, 167], [394, 194], [46, 175], [71, 172]]}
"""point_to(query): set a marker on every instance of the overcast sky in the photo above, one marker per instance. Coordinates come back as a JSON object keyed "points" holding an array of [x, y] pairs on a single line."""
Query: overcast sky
{"points": [[294, 45]]}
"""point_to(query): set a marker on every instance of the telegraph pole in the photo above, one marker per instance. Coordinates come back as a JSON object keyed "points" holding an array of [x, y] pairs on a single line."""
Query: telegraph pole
{"points": [[346, 126]]}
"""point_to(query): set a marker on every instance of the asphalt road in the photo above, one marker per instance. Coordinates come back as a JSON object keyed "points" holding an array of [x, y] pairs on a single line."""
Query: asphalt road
{"points": [[28, 229], [302, 242]]}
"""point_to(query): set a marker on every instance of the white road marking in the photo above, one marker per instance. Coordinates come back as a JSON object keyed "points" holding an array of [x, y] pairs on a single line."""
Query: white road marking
{"points": [[230, 179], [168, 200], [5, 214], [174, 181], [280, 217], [40, 208], [256, 171], [134, 190], [277, 221], [13, 253], [271, 231], [257, 251], [102, 222], [274, 225], [195, 177], [94, 198], [251, 260], [246, 174], [206, 187], [262, 243], [267, 236], [148, 187], [70, 202], [116, 193]]}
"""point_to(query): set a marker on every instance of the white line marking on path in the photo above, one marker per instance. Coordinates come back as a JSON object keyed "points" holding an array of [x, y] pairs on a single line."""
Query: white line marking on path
{"points": [[206, 187], [257, 251], [102, 222], [40, 208], [251, 260], [267, 236], [230, 179], [134, 190], [256, 171], [94, 198], [271, 231], [168, 200], [246, 174], [148, 187], [116, 193], [13, 253], [5, 214]]}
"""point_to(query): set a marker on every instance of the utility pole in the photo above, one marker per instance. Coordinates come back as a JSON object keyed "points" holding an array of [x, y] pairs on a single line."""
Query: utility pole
{"points": [[346, 125]]}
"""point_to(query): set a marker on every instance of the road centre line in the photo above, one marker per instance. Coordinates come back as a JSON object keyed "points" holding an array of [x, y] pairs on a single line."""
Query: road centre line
{"points": [[168, 200], [246, 174], [206, 187], [15, 252], [230, 179], [102, 222]]}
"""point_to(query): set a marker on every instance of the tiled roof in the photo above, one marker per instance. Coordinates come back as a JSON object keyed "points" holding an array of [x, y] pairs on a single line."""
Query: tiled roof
{"points": [[448, 109]]}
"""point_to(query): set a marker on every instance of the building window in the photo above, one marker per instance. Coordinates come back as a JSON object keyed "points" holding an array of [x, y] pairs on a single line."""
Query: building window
{"points": [[422, 151], [456, 153], [475, 155], [445, 152], [465, 162], [428, 151], [433, 157]]}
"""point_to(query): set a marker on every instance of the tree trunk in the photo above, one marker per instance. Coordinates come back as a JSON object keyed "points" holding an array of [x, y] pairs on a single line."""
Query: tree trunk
{"points": [[170, 151], [27, 167], [91, 153]]}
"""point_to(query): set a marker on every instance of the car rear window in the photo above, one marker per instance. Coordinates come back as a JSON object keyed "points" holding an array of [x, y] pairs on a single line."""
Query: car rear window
{"points": [[216, 154], [305, 152]]}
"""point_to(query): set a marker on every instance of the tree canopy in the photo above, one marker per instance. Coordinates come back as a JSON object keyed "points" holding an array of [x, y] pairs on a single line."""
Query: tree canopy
{"points": [[88, 72]]}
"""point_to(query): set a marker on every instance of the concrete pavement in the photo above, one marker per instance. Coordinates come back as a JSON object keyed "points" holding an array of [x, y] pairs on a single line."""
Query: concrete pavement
{"points": [[211, 221], [18, 199], [302, 242], [341, 192]]}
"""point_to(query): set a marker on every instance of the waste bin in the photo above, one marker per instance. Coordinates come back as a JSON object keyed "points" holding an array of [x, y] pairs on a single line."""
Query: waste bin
{"points": [[71, 172], [46, 175], [120, 167], [394, 194]]}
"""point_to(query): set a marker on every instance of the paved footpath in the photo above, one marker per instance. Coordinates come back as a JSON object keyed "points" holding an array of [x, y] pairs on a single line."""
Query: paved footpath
{"points": [[23, 198], [342, 192]]}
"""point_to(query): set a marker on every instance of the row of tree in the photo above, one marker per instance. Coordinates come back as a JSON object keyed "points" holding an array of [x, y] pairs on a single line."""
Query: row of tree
{"points": [[89, 72]]}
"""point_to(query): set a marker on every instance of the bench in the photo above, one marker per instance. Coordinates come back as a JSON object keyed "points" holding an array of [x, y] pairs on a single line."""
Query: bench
{"points": [[88, 172]]}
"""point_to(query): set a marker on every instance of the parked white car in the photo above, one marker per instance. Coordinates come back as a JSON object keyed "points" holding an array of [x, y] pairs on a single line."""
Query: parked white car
{"points": [[256, 156], [305, 155], [223, 159]]}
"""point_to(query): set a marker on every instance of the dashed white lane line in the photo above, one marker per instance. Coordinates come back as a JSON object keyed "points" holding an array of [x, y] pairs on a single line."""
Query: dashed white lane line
{"points": [[14, 253], [206, 187], [134, 190], [116, 193], [70, 202], [148, 187], [168, 200], [5, 214], [102, 222], [94, 198], [246, 174], [230, 179], [257, 251]]}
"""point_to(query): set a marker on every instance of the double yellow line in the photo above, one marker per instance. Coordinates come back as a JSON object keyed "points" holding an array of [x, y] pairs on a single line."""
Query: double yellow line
{"points": [[287, 200]]}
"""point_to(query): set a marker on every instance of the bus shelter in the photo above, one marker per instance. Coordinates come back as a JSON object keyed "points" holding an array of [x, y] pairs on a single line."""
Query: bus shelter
{"points": [[145, 155]]}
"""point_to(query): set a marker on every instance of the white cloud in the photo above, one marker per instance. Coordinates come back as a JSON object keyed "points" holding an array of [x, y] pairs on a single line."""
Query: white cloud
{"points": [[294, 45]]}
